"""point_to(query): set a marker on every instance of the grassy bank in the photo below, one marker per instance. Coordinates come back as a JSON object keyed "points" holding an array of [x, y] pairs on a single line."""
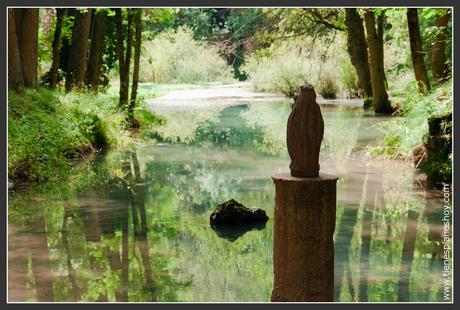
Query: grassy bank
{"points": [[48, 129], [405, 134]]}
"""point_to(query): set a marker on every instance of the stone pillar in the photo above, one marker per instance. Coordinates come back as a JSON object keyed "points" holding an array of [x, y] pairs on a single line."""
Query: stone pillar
{"points": [[303, 245]]}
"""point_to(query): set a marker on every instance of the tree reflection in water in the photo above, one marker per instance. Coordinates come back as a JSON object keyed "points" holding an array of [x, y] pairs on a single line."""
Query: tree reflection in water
{"points": [[133, 225]]}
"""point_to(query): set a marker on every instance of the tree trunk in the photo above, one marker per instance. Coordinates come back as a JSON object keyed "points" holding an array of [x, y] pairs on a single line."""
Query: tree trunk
{"points": [[76, 67], [137, 56], [124, 59], [380, 29], [357, 49], [15, 76], [66, 42], [93, 74], [60, 13], [27, 35], [416, 50], [438, 52], [379, 93]]}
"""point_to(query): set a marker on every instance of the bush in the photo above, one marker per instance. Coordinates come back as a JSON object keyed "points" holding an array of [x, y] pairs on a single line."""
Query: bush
{"points": [[349, 79], [327, 87], [280, 70], [403, 134], [175, 57], [283, 67]]}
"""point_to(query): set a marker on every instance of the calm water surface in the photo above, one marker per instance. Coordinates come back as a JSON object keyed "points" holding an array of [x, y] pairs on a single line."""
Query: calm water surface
{"points": [[133, 225]]}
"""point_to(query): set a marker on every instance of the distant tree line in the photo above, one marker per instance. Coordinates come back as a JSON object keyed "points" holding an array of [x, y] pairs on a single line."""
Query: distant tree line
{"points": [[83, 58], [87, 43]]}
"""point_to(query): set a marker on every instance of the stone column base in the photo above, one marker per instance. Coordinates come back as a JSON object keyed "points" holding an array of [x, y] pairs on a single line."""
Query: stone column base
{"points": [[303, 245]]}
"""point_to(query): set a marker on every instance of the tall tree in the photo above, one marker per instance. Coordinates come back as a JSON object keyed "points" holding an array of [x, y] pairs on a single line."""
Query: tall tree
{"points": [[438, 52], [416, 50], [137, 56], [380, 41], [93, 73], [357, 49], [76, 66], [375, 44], [26, 22], [60, 14], [124, 57], [15, 77]]}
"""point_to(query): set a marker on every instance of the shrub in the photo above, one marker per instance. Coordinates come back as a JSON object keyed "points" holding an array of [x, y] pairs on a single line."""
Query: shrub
{"points": [[283, 67], [403, 134], [327, 87], [349, 79], [175, 57], [282, 70]]}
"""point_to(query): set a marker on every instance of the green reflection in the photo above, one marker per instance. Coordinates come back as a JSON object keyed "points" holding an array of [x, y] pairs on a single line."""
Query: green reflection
{"points": [[133, 225]]}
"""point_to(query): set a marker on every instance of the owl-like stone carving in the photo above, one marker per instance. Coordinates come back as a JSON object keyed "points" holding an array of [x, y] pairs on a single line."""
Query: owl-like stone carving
{"points": [[305, 129]]}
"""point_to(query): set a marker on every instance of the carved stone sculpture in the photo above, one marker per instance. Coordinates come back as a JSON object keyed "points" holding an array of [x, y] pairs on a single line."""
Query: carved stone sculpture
{"points": [[305, 129]]}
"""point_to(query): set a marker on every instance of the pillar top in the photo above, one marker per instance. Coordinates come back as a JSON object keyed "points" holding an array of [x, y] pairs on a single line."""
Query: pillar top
{"points": [[286, 176]]}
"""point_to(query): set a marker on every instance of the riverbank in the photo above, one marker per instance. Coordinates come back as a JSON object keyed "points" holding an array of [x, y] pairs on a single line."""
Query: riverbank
{"points": [[407, 137], [49, 130]]}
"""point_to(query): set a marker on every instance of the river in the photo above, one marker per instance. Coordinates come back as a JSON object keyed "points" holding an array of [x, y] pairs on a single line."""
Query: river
{"points": [[133, 225]]}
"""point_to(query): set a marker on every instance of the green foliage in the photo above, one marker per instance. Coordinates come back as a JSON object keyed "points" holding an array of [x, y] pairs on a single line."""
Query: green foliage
{"points": [[397, 56], [282, 70], [284, 66], [327, 87], [403, 134], [46, 128], [175, 57], [37, 141], [349, 79], [45, 36], [438, 168], [427, 18], [157, 20], [233, 29], [300, 22]]}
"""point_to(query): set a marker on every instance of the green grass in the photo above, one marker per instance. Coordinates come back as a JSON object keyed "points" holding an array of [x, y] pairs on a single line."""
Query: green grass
{"points": [[47, 129]]}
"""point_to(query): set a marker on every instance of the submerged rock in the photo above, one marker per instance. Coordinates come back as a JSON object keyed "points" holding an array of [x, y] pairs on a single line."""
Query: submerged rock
{"points": [[231, 220]]}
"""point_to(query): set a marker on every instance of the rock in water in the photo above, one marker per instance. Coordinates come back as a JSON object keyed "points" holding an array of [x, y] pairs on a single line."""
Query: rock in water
{"points": [[231, 220], [233, 212], [305, 129]]}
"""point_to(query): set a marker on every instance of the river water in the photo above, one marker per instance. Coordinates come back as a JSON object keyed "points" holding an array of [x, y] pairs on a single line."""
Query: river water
{"points": [[133, 224]]}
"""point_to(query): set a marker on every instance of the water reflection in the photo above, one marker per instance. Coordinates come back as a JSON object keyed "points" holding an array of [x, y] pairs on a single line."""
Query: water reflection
{"points": [[134, 225], [233, 232]]}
